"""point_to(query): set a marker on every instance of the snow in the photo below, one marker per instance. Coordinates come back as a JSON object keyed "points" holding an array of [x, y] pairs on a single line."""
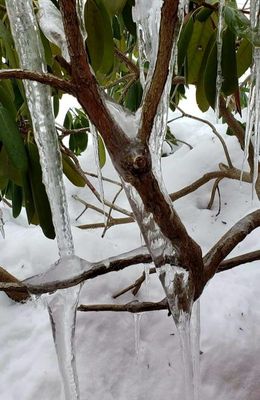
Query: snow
{"points": [[105, 342]]}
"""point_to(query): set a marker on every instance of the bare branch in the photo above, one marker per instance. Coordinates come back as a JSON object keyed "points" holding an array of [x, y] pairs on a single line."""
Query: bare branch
{"points": [[228, 242], [112, 222], [239, 260], [47, 79], [132, 307], [214, 130]]}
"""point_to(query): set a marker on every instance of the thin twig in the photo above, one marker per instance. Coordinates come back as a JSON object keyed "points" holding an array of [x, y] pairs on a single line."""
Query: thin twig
{"points": [[112, 222], [48, 79], [109, 217], [213, 130], [103, 178], [88, 205], [213, 193], [132, 307]]}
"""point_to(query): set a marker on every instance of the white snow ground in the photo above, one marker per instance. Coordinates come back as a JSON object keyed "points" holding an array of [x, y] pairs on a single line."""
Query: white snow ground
{"points": [[107, 365]]}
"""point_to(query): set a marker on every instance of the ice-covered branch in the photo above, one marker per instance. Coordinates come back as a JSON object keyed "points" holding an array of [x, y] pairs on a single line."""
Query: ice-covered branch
{"points": [[112, 264], [169, 19], [18, 289], [45, 78], [228, 242]]}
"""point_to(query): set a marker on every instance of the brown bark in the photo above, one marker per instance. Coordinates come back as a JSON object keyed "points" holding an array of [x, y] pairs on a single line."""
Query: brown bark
{"points": [[6, 277]]}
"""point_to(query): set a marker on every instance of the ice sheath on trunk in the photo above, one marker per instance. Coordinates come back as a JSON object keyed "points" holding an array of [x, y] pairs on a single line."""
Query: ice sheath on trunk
{"points": [[62, 305]]}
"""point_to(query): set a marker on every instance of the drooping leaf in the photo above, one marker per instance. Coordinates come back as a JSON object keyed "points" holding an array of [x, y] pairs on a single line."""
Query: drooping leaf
{"points": [[12, 140], [99, 41], [229, 63], [71, 172], [101, 152], [40, 197], [244, 56], [134, 97]]}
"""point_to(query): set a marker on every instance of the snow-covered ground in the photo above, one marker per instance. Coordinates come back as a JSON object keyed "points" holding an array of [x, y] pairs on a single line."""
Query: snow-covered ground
{"points": [[107, 364]]}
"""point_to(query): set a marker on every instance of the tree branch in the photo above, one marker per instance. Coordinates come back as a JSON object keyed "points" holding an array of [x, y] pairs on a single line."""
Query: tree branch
{"points": [[132, 307], [169, 18], [228, 242], [47, 79]]}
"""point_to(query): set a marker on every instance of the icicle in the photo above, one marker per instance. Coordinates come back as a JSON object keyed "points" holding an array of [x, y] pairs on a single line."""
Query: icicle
{"points": [[195, 346], [80, 12], [62, 304], [147, 279], [94, 133], [137, 327], [147, 15], [253, 112], [2, 224], [50, 21], [219, 79]]}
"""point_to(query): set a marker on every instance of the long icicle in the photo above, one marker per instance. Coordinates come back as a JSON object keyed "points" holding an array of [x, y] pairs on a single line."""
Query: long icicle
{"points": [[172, 277], [219, 79], [253, 112], [62, 305]]}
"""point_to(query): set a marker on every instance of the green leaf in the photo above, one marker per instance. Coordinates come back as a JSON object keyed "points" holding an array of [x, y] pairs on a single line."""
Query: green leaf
{"points": [[101, 152], [68, 120], [17, 199], [183, 42], [100, 43], [229, 63], [12, 140], [244, 57], [78, 142], [71, 172], [40, 197], [202, 33], [127, 17], [7, 169], [56, 104], [115, 6], [210, 75], [7, 42], [7, 97], [201, 97], [134, 97]]}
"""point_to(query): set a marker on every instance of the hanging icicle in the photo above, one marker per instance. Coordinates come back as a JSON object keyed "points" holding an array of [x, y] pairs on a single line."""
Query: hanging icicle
{"points": [[137, 328], [62, 305], [219, 79], [253, 112]]}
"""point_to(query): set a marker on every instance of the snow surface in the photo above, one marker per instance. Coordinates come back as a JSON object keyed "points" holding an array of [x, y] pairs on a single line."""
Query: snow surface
{"points": [[107, 364]]}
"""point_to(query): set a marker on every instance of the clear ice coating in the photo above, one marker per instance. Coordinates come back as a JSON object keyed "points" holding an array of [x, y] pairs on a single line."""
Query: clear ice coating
{"points": [[219, 79], [30, 51], [50, 21], [253, 111], [175, 279], [62, 305], [195, 347], [137, 327]]}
